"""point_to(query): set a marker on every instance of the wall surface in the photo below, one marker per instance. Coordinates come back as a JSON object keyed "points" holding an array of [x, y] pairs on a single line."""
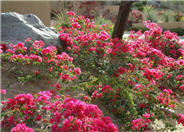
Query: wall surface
{"points": [[39, 8], [88, 10], [169, 25]]}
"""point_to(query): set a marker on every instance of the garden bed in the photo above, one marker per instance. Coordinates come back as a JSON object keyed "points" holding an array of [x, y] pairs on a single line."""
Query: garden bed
{"points": [[138, 82]]}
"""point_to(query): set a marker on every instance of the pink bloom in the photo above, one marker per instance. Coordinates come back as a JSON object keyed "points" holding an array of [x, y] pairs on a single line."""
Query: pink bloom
{"points": [[168, 76], [50, 69], [85, 97], [181, 119], [51, 50], [106, 88], [95, 94], [104, 35], [140, 123], [137, 124], [10, 51], [38, 117], [179, 77], [70, 13], [35, 58], [70, 59], [2, 91], [121, 70], [3, 47], [139, 86], [142, 105], [182, 87], [36, 72], [43, 96], [146, 115], [58, 86], [172, 106], [168, 91], [21, 45], [1, 51], [64, 56], [38, 44], [65, 77], [76, 25], [109, 50], [92, 49], [28, 39], [21, 128], [57, 97], [77, 71]]}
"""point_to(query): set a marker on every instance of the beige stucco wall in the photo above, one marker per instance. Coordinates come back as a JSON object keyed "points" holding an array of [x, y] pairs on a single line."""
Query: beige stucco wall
{"points": [[170, 25], [39, 8], [57, 5]]}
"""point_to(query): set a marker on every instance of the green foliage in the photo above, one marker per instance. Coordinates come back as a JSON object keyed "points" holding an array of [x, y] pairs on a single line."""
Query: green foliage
{"points": [[137, 29], [21, 79], [176, 5], [139, 4], [101, 20], [149, 13], [167, 16], [62, 20], [179, 31]]}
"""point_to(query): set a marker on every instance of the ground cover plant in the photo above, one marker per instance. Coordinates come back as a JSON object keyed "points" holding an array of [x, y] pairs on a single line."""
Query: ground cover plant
{"points": [[139, 80]]}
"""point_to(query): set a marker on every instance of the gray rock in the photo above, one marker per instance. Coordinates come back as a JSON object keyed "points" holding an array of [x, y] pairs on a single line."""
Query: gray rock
{"points": [[16, 27]]}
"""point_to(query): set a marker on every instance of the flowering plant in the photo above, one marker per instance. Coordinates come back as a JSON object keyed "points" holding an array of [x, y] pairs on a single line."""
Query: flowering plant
{"points": [[139, 79], [128, 73], [58, 66], [45, 111]]}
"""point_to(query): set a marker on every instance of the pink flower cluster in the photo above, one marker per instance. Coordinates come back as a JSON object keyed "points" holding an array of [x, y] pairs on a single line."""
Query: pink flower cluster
{"points": [[3, 48], [21, 128], [48, 55], [166, 97], [65, 37], [38, 44], [152, 73], [143, 56], [158, 51], [2, 91], [84, 36], [98, 93], [167, 42], [85, 117], [180, 119], [71, 13], [74, 115], [19, 47], [142, 123]]}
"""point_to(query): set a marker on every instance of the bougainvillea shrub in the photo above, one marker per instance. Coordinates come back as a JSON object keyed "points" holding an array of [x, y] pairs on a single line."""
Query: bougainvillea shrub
{"points": [[131, 76], [47, 111], [138, 79], [58, 66], [21, 128]]}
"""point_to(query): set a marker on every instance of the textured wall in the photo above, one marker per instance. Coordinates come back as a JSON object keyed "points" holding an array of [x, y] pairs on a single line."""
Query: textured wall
{"points": [[169, 25], [39, 8]]}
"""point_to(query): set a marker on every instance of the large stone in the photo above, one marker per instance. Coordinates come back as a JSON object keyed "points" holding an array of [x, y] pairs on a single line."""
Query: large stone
{"points": [[16, 27]]}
